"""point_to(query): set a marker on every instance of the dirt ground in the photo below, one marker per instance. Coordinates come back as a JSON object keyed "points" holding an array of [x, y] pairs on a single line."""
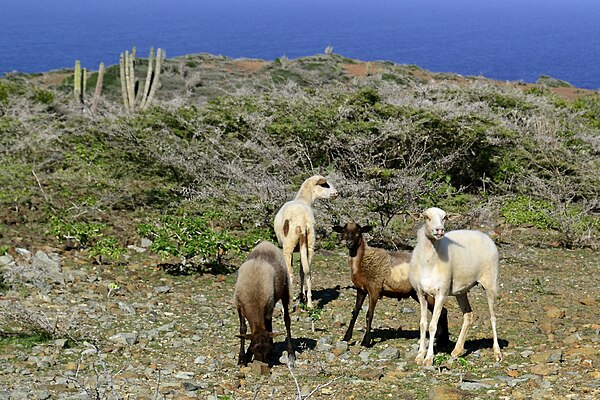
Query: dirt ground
{"points": [[143, 333]]}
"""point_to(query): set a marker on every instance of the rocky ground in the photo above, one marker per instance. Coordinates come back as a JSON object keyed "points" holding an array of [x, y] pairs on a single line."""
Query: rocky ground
{"points": [[135, 331]]}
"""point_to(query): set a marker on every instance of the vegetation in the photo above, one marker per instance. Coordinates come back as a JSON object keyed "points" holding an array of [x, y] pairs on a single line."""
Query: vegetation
{"points": [[203, 170]]}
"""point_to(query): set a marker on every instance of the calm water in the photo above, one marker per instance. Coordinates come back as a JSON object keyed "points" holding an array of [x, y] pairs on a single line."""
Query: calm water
{"points": [[499, 39]]}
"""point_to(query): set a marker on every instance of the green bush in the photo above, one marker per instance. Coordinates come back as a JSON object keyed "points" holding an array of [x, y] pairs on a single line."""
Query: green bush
{"points": [[523, 210], [194, 237], [43, 96], [87, 235]]}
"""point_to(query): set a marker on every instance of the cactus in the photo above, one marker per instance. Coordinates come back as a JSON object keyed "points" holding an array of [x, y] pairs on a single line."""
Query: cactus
{"points": [[98, 89], [77, 84], [132, 97], [79, 81]]}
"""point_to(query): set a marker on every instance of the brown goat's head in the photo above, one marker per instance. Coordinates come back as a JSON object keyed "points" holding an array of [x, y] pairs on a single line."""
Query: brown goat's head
{"points": [[352, 234], [261, 344]]}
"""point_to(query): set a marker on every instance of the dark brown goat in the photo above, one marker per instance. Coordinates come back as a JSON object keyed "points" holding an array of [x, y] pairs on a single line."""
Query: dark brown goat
{"points": [[377, 272], [262, 281]]}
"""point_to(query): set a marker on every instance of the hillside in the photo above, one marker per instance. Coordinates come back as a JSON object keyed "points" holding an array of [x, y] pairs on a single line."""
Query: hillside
{"points": [[143, 218]]}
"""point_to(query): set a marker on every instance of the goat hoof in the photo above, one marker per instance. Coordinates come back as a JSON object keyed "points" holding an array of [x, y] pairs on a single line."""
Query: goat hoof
{"points": [[456, 353], [419, 359], [428, 362]]}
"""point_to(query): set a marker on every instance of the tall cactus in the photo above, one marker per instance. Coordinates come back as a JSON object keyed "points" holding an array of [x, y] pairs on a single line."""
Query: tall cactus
{"points": [[78, 82], [133, 98], [98, 89]]}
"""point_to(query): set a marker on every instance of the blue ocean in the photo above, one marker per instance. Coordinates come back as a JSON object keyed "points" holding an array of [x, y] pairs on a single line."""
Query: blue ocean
{"points": [[517, 40]]}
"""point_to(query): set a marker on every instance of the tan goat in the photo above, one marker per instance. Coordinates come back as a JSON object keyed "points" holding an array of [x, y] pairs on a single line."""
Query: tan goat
{"points": [[295, 229]]}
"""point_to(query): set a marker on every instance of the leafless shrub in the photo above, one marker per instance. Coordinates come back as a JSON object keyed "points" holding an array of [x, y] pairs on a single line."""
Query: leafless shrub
{"points": [[15, 314]]}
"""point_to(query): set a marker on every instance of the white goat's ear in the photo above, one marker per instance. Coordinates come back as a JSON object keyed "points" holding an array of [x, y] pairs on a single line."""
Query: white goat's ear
{"points": [[245, 336], [275, 334], [321, 181], [338, 229]]}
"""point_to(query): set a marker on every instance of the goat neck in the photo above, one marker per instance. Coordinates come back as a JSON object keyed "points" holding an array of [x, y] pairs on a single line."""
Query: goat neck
{"points": [[356, 254]]}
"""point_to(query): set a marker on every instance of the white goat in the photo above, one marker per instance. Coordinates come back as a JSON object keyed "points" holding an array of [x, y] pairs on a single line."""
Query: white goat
{"points": [[295, 228], [261, 282], [450, 264]]}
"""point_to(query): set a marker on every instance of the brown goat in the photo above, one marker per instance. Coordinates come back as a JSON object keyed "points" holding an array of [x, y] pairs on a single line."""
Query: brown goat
{"points": [[377, 272], [261, 282]]}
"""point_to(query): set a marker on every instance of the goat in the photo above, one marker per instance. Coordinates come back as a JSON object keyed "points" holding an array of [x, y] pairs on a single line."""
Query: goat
{"points": [[261, 282], [450, 264], [294, 227], [377, 272]]}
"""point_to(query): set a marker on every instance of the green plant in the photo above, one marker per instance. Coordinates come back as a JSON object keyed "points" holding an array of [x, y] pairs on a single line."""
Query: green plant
{"points": [[82, 232], [443, 360], [193, 237], [522, 210], [106, 247], [43, 96], [4, 250]]}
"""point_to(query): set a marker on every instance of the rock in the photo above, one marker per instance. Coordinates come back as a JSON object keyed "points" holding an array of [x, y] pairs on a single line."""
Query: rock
{"points": [[390, 353], [127, 339], [184, 375], [588, 301], [546, 327], [126, 307], [200, 360], [526, 353], [582, 352], [23, 252], [145, 243], [447, 393], [555, 312], [572, 338], [544, 369], [364, 356], [190, 387], [552, 356], [474, 385], [162, 289], [324, 344], [6, 260], [342, 346], [42, 261]]}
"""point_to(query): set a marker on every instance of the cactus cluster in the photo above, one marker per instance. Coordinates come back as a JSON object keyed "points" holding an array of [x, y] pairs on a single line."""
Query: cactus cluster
{"points": [[133, 97]]}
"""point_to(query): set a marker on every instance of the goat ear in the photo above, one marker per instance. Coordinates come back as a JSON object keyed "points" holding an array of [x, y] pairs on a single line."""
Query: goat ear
{"points": [[338, 229], [245, 336], [275, 334], [366, 228], [321, 181]]}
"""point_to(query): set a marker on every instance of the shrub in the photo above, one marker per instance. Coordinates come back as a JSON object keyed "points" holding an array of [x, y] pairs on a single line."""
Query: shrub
{"points": [[87, 235], [523, 210], [43, 96], [193, 238]]}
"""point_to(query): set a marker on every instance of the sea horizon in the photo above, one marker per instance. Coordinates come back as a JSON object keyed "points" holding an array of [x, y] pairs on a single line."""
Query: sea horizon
{"points": [[503, 40]]}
